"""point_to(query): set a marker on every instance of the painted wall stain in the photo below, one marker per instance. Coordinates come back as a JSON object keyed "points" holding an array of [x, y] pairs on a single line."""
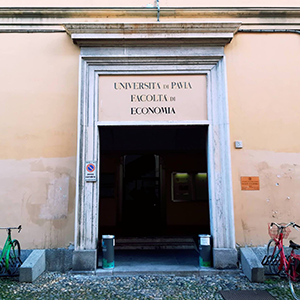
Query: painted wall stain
{"points": [[57, 200], [37, 166], [262, 166], [40, 195], [245, 226]]}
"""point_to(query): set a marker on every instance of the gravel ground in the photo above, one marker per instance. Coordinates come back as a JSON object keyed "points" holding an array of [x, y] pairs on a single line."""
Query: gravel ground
{"points": [[70, 286]]}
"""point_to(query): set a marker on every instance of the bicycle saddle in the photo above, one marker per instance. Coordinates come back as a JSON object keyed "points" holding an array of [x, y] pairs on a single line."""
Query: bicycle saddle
{"points": [[294, 245]]}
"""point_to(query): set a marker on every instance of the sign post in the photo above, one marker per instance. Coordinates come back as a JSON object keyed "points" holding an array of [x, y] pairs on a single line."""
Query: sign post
{"points": [[90, 171]]}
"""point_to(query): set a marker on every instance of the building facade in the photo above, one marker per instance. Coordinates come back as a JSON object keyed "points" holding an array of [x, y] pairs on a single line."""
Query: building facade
{"points": [[154, 119]]}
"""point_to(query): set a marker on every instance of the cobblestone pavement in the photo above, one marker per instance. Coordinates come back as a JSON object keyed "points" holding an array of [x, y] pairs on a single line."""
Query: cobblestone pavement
{"points": [[70, 286]]}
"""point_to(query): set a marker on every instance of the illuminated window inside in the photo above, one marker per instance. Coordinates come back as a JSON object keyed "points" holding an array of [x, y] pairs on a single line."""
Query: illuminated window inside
{"points": [[189, 187]]}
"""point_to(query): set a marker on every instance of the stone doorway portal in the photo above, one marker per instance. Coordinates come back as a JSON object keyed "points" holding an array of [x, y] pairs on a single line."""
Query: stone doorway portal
{"points": [[125, 49]]}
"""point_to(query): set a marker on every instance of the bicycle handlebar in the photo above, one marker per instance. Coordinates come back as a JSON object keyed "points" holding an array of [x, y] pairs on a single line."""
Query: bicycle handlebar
{"points": [[9, 228], [285, 226]]}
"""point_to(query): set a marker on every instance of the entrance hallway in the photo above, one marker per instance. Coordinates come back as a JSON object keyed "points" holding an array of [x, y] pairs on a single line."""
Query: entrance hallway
{"points": [[179, 262], [153, 181]]}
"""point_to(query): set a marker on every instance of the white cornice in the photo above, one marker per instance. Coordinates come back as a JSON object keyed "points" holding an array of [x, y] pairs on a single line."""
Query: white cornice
{"points": [[99, 34], [51, 19], [94, 12]]}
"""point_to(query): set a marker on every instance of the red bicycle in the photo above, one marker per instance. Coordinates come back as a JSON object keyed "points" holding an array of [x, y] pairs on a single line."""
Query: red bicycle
{"points": [[280, 263]]}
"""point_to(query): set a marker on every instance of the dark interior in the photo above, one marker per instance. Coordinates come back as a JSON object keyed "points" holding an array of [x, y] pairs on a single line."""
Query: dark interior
{"points": [[137, 196]]}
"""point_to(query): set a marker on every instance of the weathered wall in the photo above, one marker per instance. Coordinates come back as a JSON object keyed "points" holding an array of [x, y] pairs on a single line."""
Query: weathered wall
{"points": [[263, 89], [39, 96], [143, 3]]}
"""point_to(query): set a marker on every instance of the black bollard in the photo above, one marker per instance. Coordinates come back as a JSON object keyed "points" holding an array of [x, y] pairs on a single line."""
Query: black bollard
{"points": [[108, 251], [204, 250]]}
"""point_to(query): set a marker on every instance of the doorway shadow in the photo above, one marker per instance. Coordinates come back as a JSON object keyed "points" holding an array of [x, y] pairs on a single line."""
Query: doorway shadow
{"points": [[141, 261]]}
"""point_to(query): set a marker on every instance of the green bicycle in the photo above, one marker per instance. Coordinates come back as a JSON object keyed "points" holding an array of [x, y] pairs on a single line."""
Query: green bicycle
{"points": [[10, 259]]}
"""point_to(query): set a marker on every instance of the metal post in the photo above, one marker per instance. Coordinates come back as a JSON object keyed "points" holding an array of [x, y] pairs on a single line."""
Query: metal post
{"points": [[204, 250], [108, 251]]}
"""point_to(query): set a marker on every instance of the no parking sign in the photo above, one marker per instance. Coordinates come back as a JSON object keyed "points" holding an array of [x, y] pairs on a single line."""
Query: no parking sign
{"points": [[90, 171]]}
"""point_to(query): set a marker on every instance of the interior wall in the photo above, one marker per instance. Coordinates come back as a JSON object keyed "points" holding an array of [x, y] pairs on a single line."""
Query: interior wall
{"points": [[185, 213], [110, 163], [39, 84], [263, 91]]}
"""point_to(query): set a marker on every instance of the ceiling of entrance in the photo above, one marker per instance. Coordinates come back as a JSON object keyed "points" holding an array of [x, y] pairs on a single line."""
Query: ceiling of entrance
{"points": [[153, 138]]}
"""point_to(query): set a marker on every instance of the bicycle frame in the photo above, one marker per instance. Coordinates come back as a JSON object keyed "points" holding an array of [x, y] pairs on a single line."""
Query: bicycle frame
{"points": [[9, 244], [6, 249], [283, 260], [285, 264], [290, 266]]}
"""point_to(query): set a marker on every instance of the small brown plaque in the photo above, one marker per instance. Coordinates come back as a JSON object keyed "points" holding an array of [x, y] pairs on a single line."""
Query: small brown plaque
{"points": [[250, 183]]}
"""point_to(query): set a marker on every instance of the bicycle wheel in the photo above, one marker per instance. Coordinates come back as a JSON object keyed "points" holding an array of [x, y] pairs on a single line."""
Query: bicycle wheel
{"points": [[294, 278], [14, 262]]}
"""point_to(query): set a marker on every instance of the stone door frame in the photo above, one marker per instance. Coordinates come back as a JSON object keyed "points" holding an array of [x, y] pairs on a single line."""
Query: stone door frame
{"points": [[187, 50]]}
